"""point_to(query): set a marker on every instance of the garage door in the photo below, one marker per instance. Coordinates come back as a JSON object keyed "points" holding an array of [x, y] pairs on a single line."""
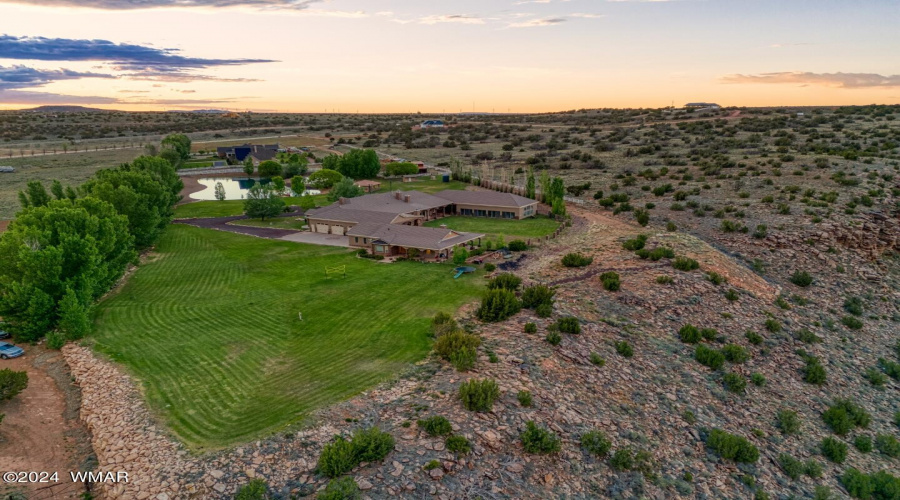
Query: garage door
{"points": [[338, 230], [322, 228]]}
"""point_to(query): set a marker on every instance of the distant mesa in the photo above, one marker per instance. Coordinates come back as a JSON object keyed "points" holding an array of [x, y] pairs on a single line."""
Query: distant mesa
{"points": [[66, 109]]}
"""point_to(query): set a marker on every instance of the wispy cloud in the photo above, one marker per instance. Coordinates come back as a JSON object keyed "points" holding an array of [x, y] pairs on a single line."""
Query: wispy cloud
{"points": [[836, 80], [451, 18], [38, 98], [155, 4], [537, 23]]}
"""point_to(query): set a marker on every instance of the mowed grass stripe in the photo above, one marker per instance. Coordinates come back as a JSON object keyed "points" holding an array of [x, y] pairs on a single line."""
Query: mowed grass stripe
{"points": [[210, 327]]}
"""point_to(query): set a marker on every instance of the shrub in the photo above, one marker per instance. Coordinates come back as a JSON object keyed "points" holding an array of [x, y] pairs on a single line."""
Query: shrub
{"points": [[735, 383], [863, 443], [792, 467], [458, 444], [442, 323], [344, 488], [732, 295], [732, 447], [569, 325], [875, 377], [596, 443], [689, 334], [808, 337], [622, 459], [758, 379], [735, 353], [664, 280], [534, 296], [553, 337], [596, 360], [517, 246], [436, 426], [854, 306], [434, 464], [709, 334], [448, 345], [685, 264], [635, 243], [715, 278], [852, 322], [464, 359], [12, 383], [801, 278], [753, 337], [834, 450], [773, 325], [642, 216], [888, 445], [891, 368], [610, 281], [845, 415], [788, 422], [525, 398], [711, 358], [490, 267], [814, 372], [544, 310], [479, 395], [505, 281], [55, 340], [337, 458], [539, 440], [576, 260], [812, 469], [530, 328], [498, 305], [372, 444], [254, 490], [624, 349]]}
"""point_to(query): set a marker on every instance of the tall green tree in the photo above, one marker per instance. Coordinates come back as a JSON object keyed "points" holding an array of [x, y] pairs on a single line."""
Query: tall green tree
{"points": [[35, 195], [248, 165], [269, 169], [332, 162], [220, 191], [345, 188], [262, 202], [360, 164], [74, 320], [57, 189], [529, 184], [179, 143], [85, 246], [545, 186]]}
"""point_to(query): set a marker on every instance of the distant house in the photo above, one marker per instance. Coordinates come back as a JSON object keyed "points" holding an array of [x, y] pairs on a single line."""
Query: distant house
{"points": [[389, 224], [369, 186], [259, 152], [432, 124], [702, 105]]}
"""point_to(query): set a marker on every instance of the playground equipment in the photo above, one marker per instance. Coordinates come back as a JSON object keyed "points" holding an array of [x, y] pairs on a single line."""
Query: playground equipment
{"points": [[342, 270], [462, 270]]}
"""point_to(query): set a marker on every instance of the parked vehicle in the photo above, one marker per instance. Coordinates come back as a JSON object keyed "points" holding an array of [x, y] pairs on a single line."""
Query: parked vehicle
{"points": [[8, 350], [4, 334]]}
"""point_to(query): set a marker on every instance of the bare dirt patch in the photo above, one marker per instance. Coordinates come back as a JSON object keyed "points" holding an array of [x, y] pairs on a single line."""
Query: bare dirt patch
{"points": [[41, 430]]}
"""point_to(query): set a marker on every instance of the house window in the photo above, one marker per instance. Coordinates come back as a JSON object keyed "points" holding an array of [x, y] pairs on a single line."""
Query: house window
{"points": [[379, 248], [356, 240]]}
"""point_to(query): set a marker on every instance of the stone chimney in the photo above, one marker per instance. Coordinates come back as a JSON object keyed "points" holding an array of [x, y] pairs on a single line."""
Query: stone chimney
{"points": [[406, 198], [397, 195], [342, 200]]}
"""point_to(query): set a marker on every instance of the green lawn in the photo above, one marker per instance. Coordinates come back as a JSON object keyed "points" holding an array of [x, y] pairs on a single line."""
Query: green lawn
{"points": [[426, 186], [227, 208], [510, 229], [210, 326], [277, 223]]}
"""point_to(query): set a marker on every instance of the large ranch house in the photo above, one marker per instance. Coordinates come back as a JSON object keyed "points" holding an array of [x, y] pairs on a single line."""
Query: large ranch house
{"points": [[390, 224]]}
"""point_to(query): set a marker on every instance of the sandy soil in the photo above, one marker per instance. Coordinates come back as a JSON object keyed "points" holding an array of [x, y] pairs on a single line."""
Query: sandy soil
{"points": [[3, 225], [41, 430]]}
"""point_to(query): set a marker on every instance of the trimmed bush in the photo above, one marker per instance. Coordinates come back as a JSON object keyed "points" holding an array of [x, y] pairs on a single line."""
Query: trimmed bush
{"points": [[834, 450], [458, 444], [498, 305], [479, 395], [569, 325], [534, 296], [436, 426], [530, 328], [596, 443], [505, 281], [517, 246], [576, 260], [732, 447], [610, 281], [539, 440], [711, 358]]}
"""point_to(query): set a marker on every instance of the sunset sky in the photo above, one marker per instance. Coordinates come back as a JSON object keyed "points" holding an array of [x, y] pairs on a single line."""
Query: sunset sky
{"points": [[447, 55]]}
